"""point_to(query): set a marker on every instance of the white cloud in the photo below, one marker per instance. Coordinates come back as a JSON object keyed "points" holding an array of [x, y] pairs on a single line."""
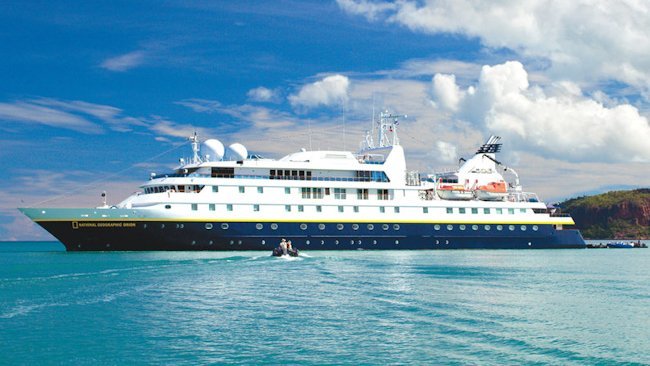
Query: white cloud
{"points": [[584, 40], [331, 90], [446, 91], [124, 62], [262, 94], [558, 121]]}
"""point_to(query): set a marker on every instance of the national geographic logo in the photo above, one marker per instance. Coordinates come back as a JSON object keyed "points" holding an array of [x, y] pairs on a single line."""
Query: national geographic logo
{"points": [[110, 224]]}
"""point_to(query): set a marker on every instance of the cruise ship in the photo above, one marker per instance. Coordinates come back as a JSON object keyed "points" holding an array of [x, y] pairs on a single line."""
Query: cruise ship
{"points": [[225, 199]]}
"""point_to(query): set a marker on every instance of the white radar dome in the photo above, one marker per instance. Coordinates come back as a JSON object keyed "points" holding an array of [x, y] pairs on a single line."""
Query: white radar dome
{"points": [[237, 151], [214, 148]]}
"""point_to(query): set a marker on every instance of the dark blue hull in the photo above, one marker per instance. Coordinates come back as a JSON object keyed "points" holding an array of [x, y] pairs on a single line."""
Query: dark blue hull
{"points": [[152, 235]]}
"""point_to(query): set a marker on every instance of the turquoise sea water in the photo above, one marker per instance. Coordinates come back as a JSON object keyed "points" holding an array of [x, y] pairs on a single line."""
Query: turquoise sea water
{"points": [[366, 307]]}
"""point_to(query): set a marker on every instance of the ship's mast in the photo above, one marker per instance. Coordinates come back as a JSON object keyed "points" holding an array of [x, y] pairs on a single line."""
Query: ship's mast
{"points": [[387, 134], [194, 139]]}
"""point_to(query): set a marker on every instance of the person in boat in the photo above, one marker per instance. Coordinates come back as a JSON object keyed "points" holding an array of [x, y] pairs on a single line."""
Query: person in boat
{"points": [[284, 245]]}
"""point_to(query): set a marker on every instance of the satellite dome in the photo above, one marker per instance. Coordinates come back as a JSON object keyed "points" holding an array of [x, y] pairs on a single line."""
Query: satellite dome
{"points": [[237, 151], [214, 148]]}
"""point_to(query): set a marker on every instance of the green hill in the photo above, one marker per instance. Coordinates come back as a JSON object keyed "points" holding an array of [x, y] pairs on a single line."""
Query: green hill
{"points": [[616, 214]]}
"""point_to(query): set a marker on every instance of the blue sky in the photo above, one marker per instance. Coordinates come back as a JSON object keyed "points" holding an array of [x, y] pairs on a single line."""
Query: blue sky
{"points": [[96, 95]]}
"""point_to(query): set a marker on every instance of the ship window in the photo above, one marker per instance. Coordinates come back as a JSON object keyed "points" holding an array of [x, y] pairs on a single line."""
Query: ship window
{"points": [[195, 206], [319, 208], [317, 193], [371, 227], [294, 174], [224, 226], [256, 207], [425, 210], [308, 175], [499, 227], [340, 208], [535, 227], [460, 210], [287, 173], [339, 226], [168, 206], [396, 227], [487, 227], [321, 226], [396, 209], [450, 210], [362, 194], [280, 174], [306, 192], [382, 209], [511, 227], [450, 227], [229, 207], [384, 226], [340, 193], [461, 227], [303, 226], [382, 194], [260, 189], [356, 208], [215, 189], [355, 226], [522, 210], [287, 190], [486, 211], [474, 210], [274, 226], [287, 208], [327, 191], [436, 227], [523, 227], [474, 227], [208, 226], [211, 207], [511, 211], [259, 226], [301, 208], [499, 211], [272, 174]]}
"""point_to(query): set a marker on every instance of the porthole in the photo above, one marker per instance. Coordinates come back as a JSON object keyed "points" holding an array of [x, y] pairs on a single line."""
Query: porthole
{"points": [[355, 226], [436, 227], [535, 227], [371, 227], [193, 242], [499, 227], [168, 206], [487, 227], [182, 226], [322, 242], [396, 242], [474, 227], [232, 242], [210, 242], [303, 226], [321, 226], [384, 226], [307, 242], [224, 226], [511, 227], [274, 226], [437, 242], [208, 226], [144, 226], [162, 226], [239, 242], [374, 242], [396, 227], [352, 242], [523, 228], [359, 242], [336, 242], [339, 226], [450, 227], [259, 226], [263, 242], [461, 227]]}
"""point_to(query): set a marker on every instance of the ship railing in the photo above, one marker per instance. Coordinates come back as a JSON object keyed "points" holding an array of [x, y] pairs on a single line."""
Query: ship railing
{"points": [[276, 177], [559, 214]]}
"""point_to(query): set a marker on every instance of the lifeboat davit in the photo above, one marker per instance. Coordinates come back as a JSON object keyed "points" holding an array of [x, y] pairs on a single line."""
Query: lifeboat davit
{"points": [[493, 191], [454, 192]]}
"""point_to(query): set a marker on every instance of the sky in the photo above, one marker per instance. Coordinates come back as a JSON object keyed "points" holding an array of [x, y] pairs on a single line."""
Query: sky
{"points": [[95, 96]]}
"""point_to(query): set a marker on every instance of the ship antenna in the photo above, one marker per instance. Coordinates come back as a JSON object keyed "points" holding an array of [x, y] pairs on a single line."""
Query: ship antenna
{"points": [[196, 159]]}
